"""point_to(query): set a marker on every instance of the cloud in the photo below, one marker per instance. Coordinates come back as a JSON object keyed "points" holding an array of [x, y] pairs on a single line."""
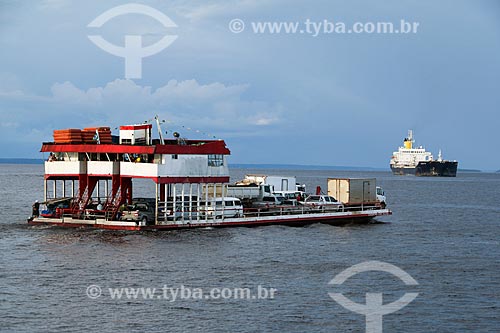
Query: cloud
{"points": [[53, 4], [213, 107], [189, 91], [216, 9]]}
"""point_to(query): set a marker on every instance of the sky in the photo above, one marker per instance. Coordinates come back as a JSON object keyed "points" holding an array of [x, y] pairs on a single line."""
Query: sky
{"points": [[275, 98]]}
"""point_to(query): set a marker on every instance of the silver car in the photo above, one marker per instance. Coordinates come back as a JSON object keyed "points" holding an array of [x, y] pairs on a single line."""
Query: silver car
{"points": [[323, 202], [139, 212]]}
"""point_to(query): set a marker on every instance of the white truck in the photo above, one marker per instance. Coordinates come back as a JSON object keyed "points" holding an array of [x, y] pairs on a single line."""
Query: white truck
{"points": [[279, 183], [356, 191], [250, 191], [253, 189]]}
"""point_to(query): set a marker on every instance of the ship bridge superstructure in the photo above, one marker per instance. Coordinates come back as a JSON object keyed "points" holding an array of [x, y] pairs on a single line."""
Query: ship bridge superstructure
{"points": [[407, 156]]}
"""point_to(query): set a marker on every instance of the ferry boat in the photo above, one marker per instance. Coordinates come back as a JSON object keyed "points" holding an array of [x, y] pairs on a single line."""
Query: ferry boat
{"points": [[89, 180], [409, 160]]}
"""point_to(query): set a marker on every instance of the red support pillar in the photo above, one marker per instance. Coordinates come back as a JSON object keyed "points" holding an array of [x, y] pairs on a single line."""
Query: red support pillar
{"points": [[82, 184], [126, 192], [115, 185], [91, 183]]}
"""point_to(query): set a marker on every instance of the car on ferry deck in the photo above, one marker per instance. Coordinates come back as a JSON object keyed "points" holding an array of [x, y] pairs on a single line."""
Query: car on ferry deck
{"points": [[290, 197], [323, 202], [219, 207], [140, 211]]}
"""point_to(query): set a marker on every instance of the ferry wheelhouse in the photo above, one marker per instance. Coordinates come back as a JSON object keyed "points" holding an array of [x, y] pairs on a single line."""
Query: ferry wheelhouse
{"points": [[90, 174]]}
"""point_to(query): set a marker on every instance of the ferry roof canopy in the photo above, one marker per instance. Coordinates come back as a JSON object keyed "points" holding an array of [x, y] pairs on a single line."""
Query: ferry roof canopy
{"points": [[192, 147]]}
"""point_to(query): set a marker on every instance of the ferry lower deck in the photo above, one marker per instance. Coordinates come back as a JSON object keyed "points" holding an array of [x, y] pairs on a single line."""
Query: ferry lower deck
{"points": [[247, 220]]}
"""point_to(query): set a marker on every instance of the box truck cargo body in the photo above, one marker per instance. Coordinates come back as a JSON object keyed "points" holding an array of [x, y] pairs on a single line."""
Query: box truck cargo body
{"points": [[249, 192], [353, 191], [280, 183]]}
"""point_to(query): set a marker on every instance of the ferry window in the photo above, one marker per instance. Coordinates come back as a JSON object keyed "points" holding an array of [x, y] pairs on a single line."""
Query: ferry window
{"points": [[175, 157], [141, 207], [215, 160]]}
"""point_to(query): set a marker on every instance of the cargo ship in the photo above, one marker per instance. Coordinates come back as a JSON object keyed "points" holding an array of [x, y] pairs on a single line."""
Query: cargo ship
{"points": [[89, 178], [409, 160]]}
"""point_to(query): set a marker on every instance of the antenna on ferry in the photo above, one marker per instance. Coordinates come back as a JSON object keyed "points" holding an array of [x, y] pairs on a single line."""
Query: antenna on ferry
{"points": [[159, 129]]}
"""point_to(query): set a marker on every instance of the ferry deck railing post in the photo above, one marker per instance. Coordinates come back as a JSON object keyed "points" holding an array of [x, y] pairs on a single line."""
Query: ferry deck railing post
{"points": [[174, 203], [206, 202], [166, 204], [54, 188], [190, 201], [197, 202], [183, 203], [45, 190]]}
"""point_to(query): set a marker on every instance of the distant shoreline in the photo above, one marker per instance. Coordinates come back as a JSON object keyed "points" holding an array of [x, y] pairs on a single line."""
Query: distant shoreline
{"points": [[304, 167], [250, 166], [21, 161], [235, 165]]}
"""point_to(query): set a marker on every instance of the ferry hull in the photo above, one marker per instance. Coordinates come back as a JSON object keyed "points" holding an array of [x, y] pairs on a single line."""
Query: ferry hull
{"points": [[429, 169], [336, 218]]}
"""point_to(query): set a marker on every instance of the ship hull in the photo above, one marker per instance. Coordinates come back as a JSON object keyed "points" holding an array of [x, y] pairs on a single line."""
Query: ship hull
{"points": [[403, 171], [429, 169]]}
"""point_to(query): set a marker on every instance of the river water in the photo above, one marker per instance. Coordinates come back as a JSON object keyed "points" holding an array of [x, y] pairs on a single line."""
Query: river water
{"points": [[444, 233]]}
